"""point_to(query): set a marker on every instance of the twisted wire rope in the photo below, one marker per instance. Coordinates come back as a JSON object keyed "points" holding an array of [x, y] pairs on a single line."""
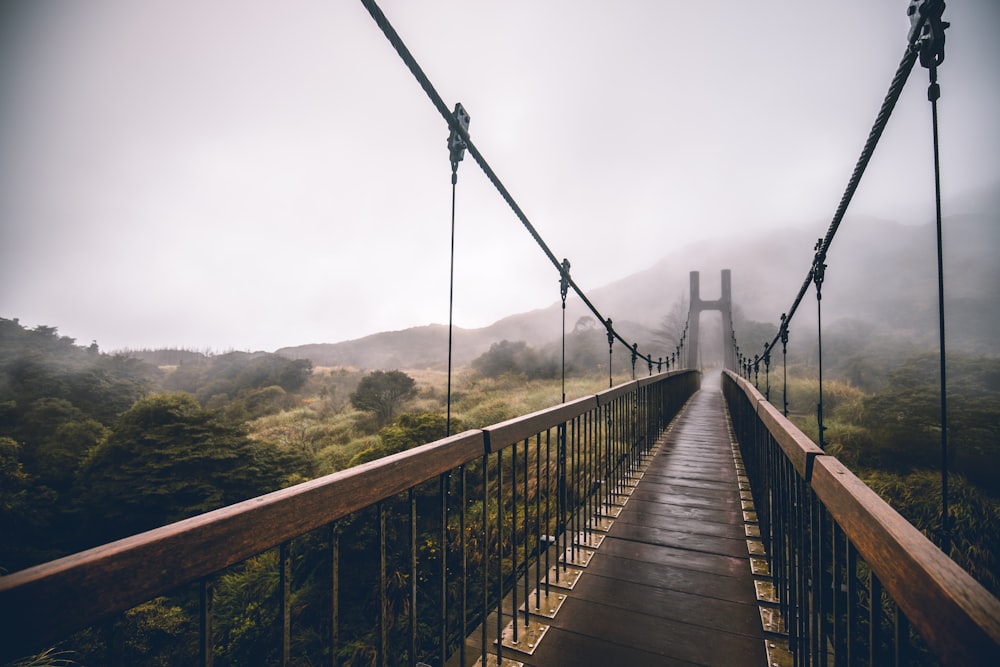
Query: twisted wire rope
{"points": [[404, 53]]}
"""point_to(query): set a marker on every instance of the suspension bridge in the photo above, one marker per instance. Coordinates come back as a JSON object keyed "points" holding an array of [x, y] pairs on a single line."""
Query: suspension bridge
{"points": [[676, 518]]}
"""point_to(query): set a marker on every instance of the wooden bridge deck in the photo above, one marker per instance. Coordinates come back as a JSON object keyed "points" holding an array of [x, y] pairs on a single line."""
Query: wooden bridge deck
{"points": [[671, 583]]}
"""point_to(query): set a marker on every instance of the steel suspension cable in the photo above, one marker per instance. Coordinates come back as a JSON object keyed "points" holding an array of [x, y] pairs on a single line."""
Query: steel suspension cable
{"points": [[456, 152], [933, 93], [881, 120], [404, 53]]}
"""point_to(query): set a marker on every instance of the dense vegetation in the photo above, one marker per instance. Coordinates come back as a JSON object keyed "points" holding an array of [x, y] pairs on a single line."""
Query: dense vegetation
{"points": [[96, 446], [882, 419]]}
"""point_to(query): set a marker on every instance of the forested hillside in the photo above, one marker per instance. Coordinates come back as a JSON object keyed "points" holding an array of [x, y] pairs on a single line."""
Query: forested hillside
{"points": [[94, 446]]}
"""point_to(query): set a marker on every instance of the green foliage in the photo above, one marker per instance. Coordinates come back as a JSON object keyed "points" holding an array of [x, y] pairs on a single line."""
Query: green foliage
{"points": [[222, 378], [904, 418], [515, 358], [38, 363], [48, 658], [168, 458], [405, 433], [382, 392], [159, 633], [56, 402], [973, 515]]}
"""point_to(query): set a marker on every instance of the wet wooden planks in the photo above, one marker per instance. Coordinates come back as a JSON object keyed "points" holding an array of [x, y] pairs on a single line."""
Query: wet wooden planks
{"points": [[671, 583]]}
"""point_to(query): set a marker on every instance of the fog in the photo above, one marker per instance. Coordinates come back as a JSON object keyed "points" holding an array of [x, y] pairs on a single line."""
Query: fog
{"points": [[252, 175]]}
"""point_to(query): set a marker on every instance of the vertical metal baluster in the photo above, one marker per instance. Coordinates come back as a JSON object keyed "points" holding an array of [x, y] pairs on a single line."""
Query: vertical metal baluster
{"points": [[411, 496], [795, 566], [561, 481], [206, 596], [527, 542], [499, 557], [334, 594], [571, 471], [816, 562], [852, 603], [513, 537], [485, 545], [901, 638], [588, 477], [383, 628], [606, 482], [465, 563], [285, 581], [443, 480], [548, 508], [538, 523], [874, 619], [836, 569]]}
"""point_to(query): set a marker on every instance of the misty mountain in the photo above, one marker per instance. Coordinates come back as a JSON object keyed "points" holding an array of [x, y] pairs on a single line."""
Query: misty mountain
{"points": [[880, 272]]}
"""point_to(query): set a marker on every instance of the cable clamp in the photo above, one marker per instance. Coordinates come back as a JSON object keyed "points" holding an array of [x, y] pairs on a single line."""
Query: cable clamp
{"points": [[927, 30], [564, 280], [456, 142]]}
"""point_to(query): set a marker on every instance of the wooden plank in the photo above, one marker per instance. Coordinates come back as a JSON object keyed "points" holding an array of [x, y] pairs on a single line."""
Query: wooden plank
{"points": [[741, 618], [671, 639], [958, 618], [97, 583], [564, 646], [685, 538], [514, 430], [716, 577]]}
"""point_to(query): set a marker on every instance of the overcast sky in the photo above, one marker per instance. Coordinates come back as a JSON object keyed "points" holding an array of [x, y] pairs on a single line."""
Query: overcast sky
{"points": [[250, 174]]}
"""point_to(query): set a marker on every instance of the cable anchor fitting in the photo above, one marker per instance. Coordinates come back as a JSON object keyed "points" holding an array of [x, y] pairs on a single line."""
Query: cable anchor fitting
{"points": [[819, 268], [564, 281], [927, 30], [456, 140]]}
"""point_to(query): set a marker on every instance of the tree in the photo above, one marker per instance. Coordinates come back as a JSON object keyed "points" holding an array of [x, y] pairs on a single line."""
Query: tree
{"points": [[516, 358], [668, 336], [382, 392], [167, 458], [407, 432]]}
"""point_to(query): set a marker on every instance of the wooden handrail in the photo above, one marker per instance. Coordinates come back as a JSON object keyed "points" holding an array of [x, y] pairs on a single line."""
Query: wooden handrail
{"points": [[43, 604], [95, 584], [957, 617]]}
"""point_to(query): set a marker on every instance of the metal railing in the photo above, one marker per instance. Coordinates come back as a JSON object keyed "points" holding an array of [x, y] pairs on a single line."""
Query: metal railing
{"points": [[417, 557], [857, 583]]}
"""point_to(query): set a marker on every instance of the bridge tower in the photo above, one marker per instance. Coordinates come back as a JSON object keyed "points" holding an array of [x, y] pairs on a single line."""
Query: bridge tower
{"points": [[725, 306]]}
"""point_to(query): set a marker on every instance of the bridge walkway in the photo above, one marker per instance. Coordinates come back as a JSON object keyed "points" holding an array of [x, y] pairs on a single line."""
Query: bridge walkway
{"points": [[671, 583]]}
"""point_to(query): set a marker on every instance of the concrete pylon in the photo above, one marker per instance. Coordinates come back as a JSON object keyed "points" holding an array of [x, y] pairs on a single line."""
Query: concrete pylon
{"points": [[725, 306]]}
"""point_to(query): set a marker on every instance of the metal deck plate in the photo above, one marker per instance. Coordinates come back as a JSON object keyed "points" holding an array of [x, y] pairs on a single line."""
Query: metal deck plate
{"points": [[778, 654], [564, 578], [547, 604], [491, 661], [756, 547], [613, 510], [589, 540], [765, 591], [527, 637], [759, 566], [771, 621], [579, 557], [602, 524]]}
